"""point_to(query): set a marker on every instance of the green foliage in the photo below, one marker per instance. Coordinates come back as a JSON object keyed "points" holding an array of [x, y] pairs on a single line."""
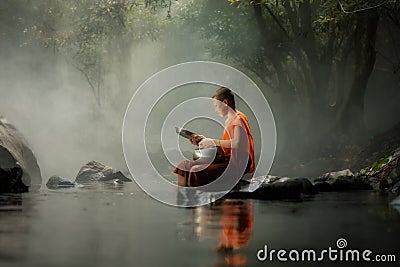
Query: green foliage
{"points": [[380, 164], [301, 48], [231, 31], [90, 33], [376, 167], [295, 47]]}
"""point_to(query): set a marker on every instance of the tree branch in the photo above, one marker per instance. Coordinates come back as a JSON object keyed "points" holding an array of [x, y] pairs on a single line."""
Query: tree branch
{"points": [[277, 21]]}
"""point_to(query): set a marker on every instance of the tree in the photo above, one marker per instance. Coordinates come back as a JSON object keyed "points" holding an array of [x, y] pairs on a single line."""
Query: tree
{"points": [[90, 34], [316, 55]]}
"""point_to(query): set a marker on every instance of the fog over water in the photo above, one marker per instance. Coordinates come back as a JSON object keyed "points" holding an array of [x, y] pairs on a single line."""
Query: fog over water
{"points": [[51, 103], [53, 106]]}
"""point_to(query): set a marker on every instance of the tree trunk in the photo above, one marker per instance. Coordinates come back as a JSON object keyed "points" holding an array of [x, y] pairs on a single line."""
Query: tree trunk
{"points": [[351, 119]]}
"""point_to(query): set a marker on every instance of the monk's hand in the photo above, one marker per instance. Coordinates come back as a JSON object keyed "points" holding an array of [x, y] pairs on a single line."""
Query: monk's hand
{"points": [[197, 139], [206, 143]]}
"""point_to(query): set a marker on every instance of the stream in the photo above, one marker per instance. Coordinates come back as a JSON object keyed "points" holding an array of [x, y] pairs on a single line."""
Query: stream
{"points": [[119, 225]]}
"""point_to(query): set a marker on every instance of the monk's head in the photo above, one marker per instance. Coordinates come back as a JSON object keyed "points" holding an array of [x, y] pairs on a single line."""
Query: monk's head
{"points": [[223, 99]]}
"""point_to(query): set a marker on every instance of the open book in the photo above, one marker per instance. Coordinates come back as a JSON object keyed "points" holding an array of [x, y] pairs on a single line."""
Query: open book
{"points": [[185, 133], [213, 154]]}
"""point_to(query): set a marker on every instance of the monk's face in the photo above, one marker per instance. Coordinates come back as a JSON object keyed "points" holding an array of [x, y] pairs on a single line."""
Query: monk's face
{"points": [[221, 108]]}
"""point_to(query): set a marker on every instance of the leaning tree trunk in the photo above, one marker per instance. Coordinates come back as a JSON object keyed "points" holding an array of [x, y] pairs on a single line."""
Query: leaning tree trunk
{"points": [[351, 119]]}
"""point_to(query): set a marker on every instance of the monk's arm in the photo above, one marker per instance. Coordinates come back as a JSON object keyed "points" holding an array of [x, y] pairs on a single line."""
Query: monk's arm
{"points": [[231, 143]]}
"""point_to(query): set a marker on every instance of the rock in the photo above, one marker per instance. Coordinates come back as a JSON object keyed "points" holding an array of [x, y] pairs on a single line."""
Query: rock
{"points": [[383, 174], [323, 187], [396, 188], [19, 169], [11, 180], [396, 153], [57, 182], [330, 176], [344, 183], [282, 188], [396, 203], [340, 181], [394, 176], [373, 181], [256, 182], [308, 187], [273, 187], [96, 172]]}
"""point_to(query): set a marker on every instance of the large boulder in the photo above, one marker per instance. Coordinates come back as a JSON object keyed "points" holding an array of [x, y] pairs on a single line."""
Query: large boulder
{"points": [[19, 169], [97, 172]]}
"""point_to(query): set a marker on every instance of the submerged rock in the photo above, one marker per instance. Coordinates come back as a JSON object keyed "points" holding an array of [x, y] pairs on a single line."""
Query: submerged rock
{"points": [[57, 182], [19, 169], [97, 172]]}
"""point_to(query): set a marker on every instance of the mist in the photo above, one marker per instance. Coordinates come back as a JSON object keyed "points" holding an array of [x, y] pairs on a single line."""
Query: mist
{"points": [[53, 106]]}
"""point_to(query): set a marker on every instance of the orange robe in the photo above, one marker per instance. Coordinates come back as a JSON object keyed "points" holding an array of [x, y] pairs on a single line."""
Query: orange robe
{"points": [[241, 121], [200, 175]]}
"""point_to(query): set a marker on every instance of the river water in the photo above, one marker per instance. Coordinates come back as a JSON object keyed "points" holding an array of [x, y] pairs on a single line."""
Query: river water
{"points": [[119, 225]]}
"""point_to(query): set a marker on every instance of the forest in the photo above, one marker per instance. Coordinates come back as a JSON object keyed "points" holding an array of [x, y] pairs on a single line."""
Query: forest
{"points": [[330, 69]]}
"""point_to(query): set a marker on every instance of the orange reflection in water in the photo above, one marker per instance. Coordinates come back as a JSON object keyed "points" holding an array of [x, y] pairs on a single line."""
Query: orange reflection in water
{"points": [[232, 222], [237, 224]]}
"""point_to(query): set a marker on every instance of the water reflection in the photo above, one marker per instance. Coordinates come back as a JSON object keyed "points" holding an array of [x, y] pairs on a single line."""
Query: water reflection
{"points": [[12, 225], [119, 225], [230, 221], [10, 202], [237, 225], [111, 185]]}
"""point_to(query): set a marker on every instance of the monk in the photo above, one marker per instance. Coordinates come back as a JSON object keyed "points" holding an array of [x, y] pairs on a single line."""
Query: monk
{"points": [[236, 141]]}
